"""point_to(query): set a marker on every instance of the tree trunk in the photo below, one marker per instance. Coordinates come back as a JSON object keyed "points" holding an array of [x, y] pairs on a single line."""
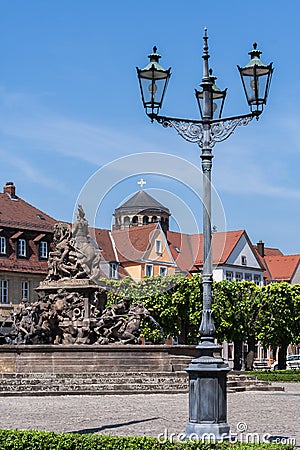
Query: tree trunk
{"points": [[183, 335], [282, 356], [237, 362], [250, 354]]}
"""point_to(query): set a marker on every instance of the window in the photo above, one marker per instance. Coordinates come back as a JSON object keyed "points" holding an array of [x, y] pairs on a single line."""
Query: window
{"points": [[158, 247], [163, 271], [2, 245], [248, 276], [113, 270], [229, 275], [126, 221], [145, 220], [149, 270], [3, 291], [154, 219], [238, 276], [21, 247], [135, 220], [244, 260], [25, 289], [257, 279], [43, 250]]}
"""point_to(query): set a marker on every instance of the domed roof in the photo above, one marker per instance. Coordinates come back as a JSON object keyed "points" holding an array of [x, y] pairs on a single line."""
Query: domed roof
{"points": [[141, 201]]}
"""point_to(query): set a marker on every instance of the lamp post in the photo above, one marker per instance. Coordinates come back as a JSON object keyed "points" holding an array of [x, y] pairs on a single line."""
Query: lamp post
{"points": [[208, 372]]}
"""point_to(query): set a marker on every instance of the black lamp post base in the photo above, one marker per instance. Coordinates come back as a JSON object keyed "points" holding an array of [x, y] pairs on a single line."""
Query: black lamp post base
{"points": [[208, 431], [207, 399]]}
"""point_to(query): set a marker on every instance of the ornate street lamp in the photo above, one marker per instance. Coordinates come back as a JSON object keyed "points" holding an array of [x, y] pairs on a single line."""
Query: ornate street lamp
{"points": [[153, 84], [217, 98], [208, 372], [256, 78]]}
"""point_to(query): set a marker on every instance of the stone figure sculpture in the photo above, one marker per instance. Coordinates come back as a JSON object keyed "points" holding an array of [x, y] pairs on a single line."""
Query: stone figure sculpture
{"points": [[71, 307], [87, 252], [75, 255], [63, 262], [63, 318]]}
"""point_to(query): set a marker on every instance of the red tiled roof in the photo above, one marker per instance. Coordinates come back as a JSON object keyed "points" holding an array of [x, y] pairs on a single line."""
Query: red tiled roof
{"points": [[223, 244], [132, 243], [187, 250], [269, 251], [23, 265], [104, 242], [184, 249], [272, 251], [16, 213], [281, 267]]}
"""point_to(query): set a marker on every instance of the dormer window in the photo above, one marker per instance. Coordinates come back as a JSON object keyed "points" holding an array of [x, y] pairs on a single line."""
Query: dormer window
{"points": [[22, 248], [158, 246], [113, 266], [2, 245], [43, 250], [244, 260]]}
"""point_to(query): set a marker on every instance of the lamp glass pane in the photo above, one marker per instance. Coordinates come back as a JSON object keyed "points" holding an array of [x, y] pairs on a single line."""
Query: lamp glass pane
{"points": [[152, 91]]}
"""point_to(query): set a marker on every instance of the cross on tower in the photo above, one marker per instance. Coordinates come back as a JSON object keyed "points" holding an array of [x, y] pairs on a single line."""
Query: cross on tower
{"points": [[141, 183]]}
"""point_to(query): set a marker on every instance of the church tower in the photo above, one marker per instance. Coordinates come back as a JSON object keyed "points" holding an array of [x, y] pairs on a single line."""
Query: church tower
{"points": [[141, 209]]}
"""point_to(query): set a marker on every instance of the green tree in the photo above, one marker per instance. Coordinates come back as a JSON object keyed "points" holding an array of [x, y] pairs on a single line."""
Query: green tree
{"points": [[236, 309], [174, 302], [276, 321], [296, 327]]}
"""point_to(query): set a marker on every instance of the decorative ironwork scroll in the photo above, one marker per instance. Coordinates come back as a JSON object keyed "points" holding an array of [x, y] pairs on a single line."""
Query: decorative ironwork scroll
{"points": [[222, 130], [190, 131], [193, 131]]}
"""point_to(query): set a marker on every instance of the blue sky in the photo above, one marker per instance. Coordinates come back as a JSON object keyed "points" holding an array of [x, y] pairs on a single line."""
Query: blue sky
{"points": [[70, 107]]}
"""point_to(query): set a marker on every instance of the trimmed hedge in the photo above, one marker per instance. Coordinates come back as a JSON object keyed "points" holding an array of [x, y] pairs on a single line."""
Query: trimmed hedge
{"points": [[276, 375], [44, 440]]}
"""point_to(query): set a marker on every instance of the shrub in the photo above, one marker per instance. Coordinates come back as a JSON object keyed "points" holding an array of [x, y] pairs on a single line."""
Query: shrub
{"points": [[43, 440]]}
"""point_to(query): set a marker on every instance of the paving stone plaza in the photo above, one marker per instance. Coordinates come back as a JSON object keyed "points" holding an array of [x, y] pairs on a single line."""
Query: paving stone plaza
{"points": [[263, 413]]}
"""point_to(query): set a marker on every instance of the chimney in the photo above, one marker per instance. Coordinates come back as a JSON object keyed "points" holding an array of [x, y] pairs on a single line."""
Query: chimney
{"points": [[10, 189], [261, 248]]}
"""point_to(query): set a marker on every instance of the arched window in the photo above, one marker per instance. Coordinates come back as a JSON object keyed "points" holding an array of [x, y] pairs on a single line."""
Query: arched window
{"points": [[145, 220], [126, 221], [154, 219], [135, 220]]}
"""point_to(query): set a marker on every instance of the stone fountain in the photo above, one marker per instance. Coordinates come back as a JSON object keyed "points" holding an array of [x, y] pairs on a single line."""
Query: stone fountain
{"points": [[71, 306]]}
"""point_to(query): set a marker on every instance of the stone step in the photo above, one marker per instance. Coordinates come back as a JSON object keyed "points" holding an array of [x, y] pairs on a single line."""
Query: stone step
{"points": [[112, 383]]}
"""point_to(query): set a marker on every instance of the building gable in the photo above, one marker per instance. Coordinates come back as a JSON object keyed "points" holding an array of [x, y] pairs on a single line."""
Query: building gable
{"points": [[243, 254], [158, 249]]}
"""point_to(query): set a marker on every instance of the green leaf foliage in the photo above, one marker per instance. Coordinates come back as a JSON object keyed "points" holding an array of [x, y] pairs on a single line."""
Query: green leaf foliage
{"points": [[277, 321], [242, 310], [235, 305], [174, 302], [276, 375]]}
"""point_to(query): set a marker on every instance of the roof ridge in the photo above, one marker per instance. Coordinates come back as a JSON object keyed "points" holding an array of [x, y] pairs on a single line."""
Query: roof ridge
{"points": [[146, 202]]}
